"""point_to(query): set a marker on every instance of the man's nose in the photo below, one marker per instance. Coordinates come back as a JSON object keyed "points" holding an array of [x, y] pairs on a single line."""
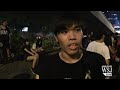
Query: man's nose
{"points": [[72, 35]]}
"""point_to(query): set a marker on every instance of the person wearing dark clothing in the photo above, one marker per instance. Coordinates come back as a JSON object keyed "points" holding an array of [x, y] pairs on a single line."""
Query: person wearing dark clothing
{"points": [[39, 43], [71, 62], [52, 67], [29, 54], [4, 35], [26, 46], [37, 46]]}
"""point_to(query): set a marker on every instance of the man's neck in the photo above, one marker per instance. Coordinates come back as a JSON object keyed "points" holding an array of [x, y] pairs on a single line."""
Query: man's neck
{"points": [[70, 58]]}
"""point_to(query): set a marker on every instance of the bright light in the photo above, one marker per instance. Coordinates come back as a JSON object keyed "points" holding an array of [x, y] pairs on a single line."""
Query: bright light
{"points": [[116, 26], [25, 29], [118, 31], [110, 18]]}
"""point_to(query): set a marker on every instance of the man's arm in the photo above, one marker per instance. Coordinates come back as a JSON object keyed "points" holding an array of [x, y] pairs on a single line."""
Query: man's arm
{"points": [[28, 51], [107, 61]]}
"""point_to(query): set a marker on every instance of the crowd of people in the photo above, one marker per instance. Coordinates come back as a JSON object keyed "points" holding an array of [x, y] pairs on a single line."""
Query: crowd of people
{"points": [[106, 45]]}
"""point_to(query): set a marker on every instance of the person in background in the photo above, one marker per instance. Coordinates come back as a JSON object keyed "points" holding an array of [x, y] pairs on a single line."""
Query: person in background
{"points": [[98, 46], [29, 54], [5, 37], [37, 45]]}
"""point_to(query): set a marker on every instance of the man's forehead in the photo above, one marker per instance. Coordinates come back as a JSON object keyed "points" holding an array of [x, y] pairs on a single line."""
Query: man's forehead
{"points": [[74, 26]]}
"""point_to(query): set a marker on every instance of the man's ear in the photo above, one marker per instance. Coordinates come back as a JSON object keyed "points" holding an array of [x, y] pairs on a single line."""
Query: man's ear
{"points": [[56, 38]]}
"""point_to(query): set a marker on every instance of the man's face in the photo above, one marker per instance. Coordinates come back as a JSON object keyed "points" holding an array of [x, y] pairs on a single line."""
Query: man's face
{"points": [[70, 40]]}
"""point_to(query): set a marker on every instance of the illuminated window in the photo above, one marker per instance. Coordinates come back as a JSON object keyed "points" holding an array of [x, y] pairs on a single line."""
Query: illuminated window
{"points": [[25, 29]]}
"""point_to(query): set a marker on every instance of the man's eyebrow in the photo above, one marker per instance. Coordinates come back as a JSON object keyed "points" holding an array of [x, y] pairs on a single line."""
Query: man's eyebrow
{"points": [[78, 27]]}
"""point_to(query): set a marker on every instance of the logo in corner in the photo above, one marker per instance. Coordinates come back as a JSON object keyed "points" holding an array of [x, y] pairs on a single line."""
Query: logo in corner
{"points": [[107, 70]]}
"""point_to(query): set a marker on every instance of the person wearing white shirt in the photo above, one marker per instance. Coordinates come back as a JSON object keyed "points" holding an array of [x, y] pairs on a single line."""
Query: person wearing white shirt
{"points": [[98, 46]]}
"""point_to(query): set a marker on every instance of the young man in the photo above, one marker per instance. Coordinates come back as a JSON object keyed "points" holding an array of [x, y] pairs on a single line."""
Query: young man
{"points": [[71, 62]]}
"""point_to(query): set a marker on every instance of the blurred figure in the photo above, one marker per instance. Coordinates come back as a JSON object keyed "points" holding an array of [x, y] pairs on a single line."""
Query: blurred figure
{"points": [[4, 35], [37, 45], [29, 54]]}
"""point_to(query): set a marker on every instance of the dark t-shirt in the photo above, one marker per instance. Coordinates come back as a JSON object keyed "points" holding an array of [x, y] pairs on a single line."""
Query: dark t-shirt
{"points": [[52, 67], [4, 37], [26, 54], [39, 43]]}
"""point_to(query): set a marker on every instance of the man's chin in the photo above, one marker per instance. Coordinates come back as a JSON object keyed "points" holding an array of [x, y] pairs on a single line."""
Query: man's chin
{"points": [[73, 52]]}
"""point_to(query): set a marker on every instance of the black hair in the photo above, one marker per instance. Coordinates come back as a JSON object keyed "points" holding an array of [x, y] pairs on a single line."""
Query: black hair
{"points": [[98, 35], [67, 21], [39, 43]]}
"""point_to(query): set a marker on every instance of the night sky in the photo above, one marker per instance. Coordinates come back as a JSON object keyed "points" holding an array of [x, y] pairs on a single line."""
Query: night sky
{"points": [[35, 19], [109, 14]]}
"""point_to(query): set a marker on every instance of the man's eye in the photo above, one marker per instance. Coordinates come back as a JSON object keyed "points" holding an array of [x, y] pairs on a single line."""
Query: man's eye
{"points": [[79, 29], [64, 32]]}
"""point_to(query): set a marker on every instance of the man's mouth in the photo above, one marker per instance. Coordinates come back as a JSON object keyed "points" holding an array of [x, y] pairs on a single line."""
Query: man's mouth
{"points": [[73, 46]]}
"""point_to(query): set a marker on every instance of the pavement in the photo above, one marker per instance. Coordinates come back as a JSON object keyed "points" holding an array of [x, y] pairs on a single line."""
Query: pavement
{"points": [[11, 70]]}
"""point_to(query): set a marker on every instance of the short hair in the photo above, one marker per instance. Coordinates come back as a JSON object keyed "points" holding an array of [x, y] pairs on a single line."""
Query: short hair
{"points": [[67, 21], [98, 35]]}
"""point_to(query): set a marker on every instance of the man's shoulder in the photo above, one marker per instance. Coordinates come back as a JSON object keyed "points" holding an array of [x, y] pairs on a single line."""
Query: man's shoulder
{"points": [[94, 57], [47, 54], [89, 53], [46, 57], [91, 44], [47, 61]]}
